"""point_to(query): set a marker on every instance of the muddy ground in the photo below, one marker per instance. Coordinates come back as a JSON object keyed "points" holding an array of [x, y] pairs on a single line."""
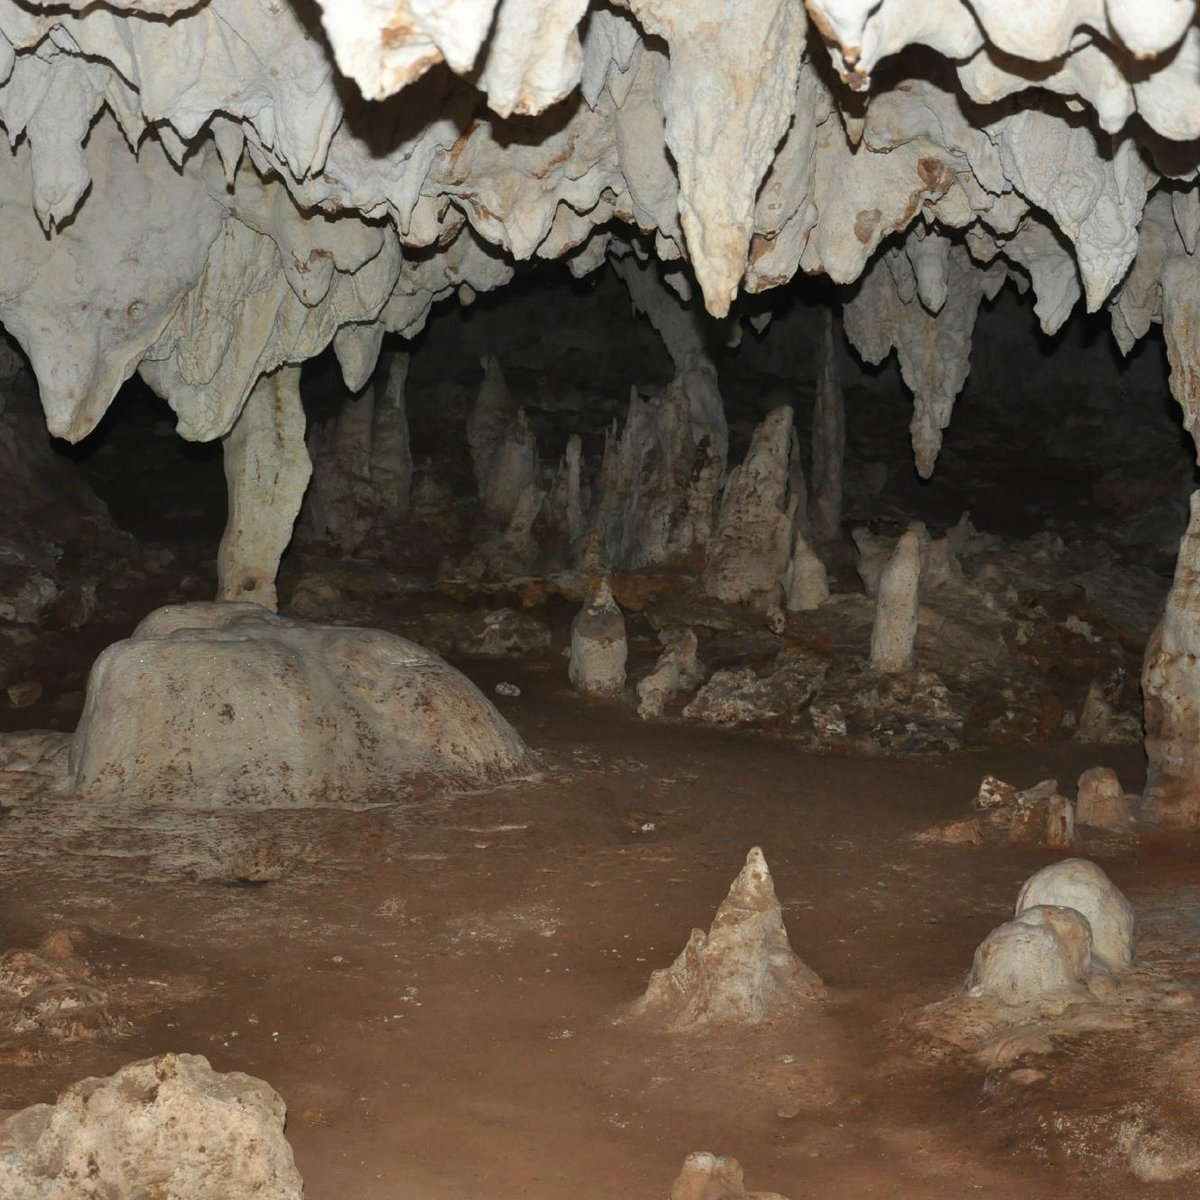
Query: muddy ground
{"points": [[432, 986]]}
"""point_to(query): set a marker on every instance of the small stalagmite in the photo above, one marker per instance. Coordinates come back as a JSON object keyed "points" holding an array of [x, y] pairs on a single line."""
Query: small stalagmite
{"points": [[743, 971], [806, 581], [598, 646], [677, 670], [1101, 801], [895, 628]]}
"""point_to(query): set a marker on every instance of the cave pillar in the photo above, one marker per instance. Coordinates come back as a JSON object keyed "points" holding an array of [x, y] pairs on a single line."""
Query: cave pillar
{"points": [[828, 440], [1171, 689], [267, 469]]}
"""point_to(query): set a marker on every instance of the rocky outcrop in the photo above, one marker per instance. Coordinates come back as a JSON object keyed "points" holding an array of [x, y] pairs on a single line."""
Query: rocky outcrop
{"points": [[227, 705], [169, 1126]]}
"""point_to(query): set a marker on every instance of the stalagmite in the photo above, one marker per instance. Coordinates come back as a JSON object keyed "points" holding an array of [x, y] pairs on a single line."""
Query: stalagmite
{"points": [[828, 440], [743, 971], [598, 647], [1101, 801], [806, 581], [677, 670], [1171, 687], [266, 470], [653, 491], [751, 541], [895, 629], [503, 448], [362, 466], [683, 331]]}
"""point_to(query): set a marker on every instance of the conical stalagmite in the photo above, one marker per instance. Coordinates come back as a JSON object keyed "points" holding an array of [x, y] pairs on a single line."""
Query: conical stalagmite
{"points": [[806, 581], [895, 629], [743, 971], [749, 547], [598, 646]]}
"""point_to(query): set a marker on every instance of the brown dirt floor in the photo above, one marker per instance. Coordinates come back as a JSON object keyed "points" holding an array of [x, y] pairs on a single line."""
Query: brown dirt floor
{"points": [[432, 989]]}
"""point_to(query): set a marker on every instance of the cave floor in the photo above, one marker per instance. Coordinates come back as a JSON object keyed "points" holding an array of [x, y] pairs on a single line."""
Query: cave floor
{"points": [[431, 986]]}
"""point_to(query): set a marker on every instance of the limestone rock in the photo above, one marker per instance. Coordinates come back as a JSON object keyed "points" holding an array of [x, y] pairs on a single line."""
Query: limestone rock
{"points": [[895, 628], [708, 1176], [169, 1126], [598, 646], [209, 705], [1079, 884], [742, 971], [1101, 801], [1042, 954], [677, 670], [745, 696], [805, 582]]}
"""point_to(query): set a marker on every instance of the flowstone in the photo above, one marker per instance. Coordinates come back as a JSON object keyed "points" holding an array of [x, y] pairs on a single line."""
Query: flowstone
{"points": [[217, 705], [743, 971], [168, 1127]]}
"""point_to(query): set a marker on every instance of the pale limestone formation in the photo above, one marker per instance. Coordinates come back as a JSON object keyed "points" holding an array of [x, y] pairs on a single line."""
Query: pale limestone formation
{"points": [[1079, 884], [1044, 953], [215, 705], [677, 670], [362, 466], [1101, 801], [895, 630], [598, 646], [752, 539], [743, 971], [504, 452], [266, 471], [805, 581], [169, 1126], [1171, 687]]}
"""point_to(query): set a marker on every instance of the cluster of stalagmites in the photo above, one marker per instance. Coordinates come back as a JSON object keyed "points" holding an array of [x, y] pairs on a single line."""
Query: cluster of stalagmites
{"points": [[1041, 814]]}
